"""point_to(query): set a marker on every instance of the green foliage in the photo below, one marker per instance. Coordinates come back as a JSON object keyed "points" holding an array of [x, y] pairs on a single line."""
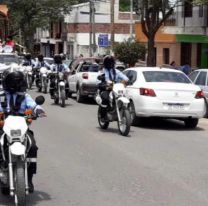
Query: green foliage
{"points": [[199, 2], [27, 15], [124, 5], [129, 52]]}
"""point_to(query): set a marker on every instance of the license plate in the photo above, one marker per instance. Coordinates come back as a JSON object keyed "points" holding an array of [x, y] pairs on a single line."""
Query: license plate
{"points": [[175, 106]]}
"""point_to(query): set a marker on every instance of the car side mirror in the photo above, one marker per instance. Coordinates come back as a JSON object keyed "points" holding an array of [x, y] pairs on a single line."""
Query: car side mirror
{"points": [[40, 100]]}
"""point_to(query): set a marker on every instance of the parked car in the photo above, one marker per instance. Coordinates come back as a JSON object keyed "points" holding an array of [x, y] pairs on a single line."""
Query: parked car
{"points": [[83, 80], [49, 60], [9, 58], [200, 78], [166, 93], [75, 62]]}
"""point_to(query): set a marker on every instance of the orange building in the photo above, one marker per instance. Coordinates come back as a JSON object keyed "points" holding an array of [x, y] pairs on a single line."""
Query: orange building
{"points": [[166, 47], [3, 22]]}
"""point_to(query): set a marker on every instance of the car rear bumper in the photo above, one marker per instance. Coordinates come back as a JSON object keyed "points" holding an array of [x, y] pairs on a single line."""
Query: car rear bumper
{"points": [[89, 89], [196, 109]]}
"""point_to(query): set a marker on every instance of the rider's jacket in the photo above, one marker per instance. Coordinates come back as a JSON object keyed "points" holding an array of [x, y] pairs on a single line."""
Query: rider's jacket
{"points": [[114, 75], [40, 64], [59, 68], [17, 103], [30, 62]]}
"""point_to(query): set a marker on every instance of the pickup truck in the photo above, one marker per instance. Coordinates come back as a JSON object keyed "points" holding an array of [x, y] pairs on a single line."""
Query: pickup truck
{"points": [[83, 80]]}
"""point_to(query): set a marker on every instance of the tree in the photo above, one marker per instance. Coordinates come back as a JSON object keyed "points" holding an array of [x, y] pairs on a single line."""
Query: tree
{"points": [[129, 52], [26, 16], [153, 14]]}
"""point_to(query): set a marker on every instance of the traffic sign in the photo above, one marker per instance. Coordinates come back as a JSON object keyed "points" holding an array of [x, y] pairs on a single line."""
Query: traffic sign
{"points": [[103, 40]]}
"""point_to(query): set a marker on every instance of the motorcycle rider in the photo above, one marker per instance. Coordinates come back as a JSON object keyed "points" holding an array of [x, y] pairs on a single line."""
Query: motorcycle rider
{"points": [[15, 102], [28, 61], [110, 74], [58, 66], [41, 62]]}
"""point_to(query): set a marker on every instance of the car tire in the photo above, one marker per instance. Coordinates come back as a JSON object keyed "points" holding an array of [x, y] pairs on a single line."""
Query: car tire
{"points": [[79, 96], [132, 113], [191, 122]]}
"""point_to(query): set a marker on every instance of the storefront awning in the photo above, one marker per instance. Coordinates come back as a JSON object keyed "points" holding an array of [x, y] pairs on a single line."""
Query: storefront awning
{"points": [[187, 38]]}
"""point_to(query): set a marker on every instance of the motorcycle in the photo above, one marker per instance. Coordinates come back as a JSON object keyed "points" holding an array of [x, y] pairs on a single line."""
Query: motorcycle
{"points": [[117, 110], [38, 79], [15, 144], [44, 72], [60, 88], [29, 76]]}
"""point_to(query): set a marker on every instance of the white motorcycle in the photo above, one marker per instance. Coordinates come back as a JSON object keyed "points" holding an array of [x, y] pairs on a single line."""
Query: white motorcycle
{"points": [[117, 110], [44, 72], [60, 88], [15, 144], [29, 76]]}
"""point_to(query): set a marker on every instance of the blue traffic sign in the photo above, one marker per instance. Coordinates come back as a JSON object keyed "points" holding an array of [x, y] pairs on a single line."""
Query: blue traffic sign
{"points": [[103, 40]]}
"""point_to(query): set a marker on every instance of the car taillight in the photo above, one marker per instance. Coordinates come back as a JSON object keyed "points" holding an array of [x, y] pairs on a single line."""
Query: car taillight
{"points": [[147, 92], [199, 95], [85, 75]]}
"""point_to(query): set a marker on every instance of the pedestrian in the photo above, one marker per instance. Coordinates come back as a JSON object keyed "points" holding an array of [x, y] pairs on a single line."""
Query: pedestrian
{"points": [[186, 68], [173, 65]]}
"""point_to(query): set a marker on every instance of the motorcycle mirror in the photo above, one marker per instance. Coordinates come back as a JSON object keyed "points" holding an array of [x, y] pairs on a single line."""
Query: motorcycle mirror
{"points": [[39, 100]]}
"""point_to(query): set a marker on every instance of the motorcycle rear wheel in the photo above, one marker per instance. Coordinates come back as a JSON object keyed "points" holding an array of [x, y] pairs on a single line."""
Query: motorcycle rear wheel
{"points": [[103, 124], [63, 98], [125, 124], [19, 182]]}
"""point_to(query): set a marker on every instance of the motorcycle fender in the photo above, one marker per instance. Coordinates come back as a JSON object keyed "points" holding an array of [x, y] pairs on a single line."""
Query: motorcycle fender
{"points": [[17, 149], [61, 84], [124, 100], [30, 73], [44, 75]]}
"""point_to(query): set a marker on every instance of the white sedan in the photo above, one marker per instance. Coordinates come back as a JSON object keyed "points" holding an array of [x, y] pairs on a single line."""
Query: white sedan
{"points": [[166, 93]]}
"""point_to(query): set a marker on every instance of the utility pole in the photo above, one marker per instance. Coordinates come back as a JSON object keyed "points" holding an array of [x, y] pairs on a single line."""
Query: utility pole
{"points": [[112, 5], [92, 42], [131, 20]]}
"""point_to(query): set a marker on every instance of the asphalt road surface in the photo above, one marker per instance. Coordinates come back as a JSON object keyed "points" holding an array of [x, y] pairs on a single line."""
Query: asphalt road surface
{"points": [[159, 164]]}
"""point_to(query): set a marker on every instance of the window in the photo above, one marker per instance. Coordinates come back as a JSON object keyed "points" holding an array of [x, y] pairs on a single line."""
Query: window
{"points": [[188, 8], [160, 76], [193, 75], [166, 55], [201, 79], [201, 12]]}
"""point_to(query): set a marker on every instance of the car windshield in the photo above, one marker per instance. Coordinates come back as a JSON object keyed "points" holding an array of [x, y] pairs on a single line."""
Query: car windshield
{"points": [[8, 59], [90, 68], [164, 76], [50, 61]]}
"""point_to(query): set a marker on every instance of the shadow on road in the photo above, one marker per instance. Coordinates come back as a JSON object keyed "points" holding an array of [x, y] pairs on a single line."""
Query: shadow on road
{"points": [[31, 199], [164, 124]]}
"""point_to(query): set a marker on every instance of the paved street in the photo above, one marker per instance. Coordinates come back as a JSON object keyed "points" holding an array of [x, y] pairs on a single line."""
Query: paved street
{"points": [[161, 163]]}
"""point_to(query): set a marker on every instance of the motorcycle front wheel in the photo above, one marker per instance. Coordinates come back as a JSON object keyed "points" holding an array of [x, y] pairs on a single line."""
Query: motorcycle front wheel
{"points": [[103, 124], [63, 97], [125, 123], [45, 86], [30, 82], [19, 182], [56, 98]]}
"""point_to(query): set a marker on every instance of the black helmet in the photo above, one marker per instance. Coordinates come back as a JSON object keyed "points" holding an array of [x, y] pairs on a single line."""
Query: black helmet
{"points": [[28, 56], [14, 82], [63, 56], [109, 62], [57, 59], [40, 57]]}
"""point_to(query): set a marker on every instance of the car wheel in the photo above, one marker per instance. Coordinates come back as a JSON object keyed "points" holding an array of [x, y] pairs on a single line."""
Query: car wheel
{"points": [[191, 123], [132, 113], [79, 96]]}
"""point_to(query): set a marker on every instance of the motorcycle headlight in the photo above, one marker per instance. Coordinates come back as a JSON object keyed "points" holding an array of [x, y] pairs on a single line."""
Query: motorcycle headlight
{"points": [[16, 133]]}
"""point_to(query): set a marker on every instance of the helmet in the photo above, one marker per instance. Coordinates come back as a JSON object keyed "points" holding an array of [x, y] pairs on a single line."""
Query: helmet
{"points": [[14, 82], [40, 57], [28, 56], [57, 59], [63, 56], [109, 62]]}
